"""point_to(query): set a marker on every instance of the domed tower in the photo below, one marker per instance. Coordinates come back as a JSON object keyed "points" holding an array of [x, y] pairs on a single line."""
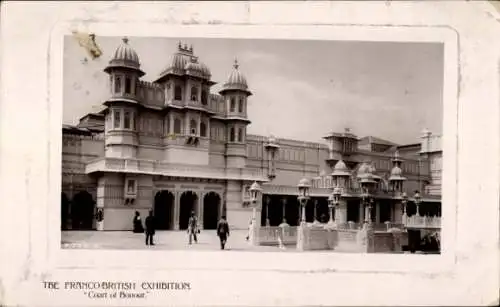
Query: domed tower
{"points": [[187, 83], [235, 92], [396, 179], [120, 122]]}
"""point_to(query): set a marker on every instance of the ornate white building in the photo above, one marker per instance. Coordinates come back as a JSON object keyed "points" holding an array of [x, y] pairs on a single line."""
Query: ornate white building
{"points": [[174, 147]]}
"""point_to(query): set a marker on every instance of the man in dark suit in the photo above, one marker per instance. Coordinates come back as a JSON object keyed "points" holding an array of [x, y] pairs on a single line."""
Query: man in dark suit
{"points": [[150, 228], [223, 231]]}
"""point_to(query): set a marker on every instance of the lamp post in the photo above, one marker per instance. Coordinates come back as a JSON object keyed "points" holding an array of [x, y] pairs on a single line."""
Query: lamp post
{"points": [[333, 202], [255, 191], [404, 201], [303, 197], [367, 204], [417, 201]]}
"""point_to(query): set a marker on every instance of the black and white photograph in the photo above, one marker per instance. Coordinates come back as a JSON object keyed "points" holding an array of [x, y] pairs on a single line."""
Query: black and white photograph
{"points": [[256, 153], [242, 145]]}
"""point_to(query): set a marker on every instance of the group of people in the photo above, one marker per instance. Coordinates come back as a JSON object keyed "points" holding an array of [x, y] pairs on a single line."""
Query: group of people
{"points": [[193, 229]]}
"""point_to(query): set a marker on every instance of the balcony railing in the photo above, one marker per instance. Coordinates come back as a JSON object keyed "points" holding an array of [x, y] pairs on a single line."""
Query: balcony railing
{"points": [[422, 222], [173, 170]]}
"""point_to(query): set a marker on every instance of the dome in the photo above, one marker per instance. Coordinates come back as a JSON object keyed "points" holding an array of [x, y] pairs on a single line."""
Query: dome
{"points": [[340, 169], [124, 56], [364, 169], [184, 60], [366, 172], [304, 182], [396, 171], [236, 80], [396, 174], [179, 61]]}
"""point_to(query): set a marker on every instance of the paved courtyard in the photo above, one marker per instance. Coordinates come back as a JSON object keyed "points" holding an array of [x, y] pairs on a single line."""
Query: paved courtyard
{"points": [[164, 240]]}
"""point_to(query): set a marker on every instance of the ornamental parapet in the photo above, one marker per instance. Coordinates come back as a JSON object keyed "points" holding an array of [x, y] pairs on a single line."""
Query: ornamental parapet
{"points": [[150, 167], [346, 193]]}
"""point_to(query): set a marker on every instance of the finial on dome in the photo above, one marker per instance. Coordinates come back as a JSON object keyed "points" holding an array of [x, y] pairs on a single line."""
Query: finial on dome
{"points": [[236, 65], [125, 40], [185, 47], [179, 45], [191, 48]]}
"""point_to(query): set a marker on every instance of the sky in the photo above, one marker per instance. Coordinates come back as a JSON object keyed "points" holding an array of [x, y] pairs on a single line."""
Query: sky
{"points": [[302, 89]]}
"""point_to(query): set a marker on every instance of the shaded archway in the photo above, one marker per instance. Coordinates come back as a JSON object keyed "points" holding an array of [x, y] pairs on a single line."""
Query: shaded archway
{"points": [[322, 210], [64, 211], [163, 210], [275, 210], [310, 210], [292, 210], [82, 211], [189, 200], [211, 209], [353, 212]]}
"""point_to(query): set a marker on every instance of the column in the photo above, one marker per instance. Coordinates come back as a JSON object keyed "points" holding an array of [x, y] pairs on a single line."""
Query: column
{"points": [[377, 212], [340, 213], [283, 201], [397, 213], [177, 209], [361, 213], [201, 201]]}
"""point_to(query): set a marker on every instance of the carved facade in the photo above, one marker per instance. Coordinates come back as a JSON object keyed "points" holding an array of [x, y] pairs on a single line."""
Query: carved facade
{"points": [[173, 147]]}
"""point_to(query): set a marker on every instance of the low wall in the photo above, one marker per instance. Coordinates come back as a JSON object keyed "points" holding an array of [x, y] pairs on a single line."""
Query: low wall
{"points": [[271, 235], [322, 237]]}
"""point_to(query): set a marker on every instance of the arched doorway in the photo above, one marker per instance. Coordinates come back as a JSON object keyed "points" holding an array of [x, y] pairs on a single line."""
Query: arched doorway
{"points": [[64, 211], [82, 211], [211, 208], [189, 200], [163, 210]]}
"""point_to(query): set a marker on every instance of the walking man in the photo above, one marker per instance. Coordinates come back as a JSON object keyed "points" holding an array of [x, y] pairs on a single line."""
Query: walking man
{"points": [[223, 231], [150, 228], [193, 228]]}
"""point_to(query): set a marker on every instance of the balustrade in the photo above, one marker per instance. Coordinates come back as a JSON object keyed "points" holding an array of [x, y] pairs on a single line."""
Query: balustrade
{"points": [[422, 222]]}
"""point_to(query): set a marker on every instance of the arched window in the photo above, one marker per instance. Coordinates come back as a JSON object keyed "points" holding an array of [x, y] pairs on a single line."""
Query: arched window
{"points": [[128, 85], [233, 104], [118, 84], [117, 119], [204, 97], [232, 136], [177, 93], [203, 129], [240, 135], [177, 125], [192, 126], [240, 105], [194, 93]]}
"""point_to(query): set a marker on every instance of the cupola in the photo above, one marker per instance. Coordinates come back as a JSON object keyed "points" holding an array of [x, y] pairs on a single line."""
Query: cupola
{"points": [[236, 81], [125, 57]]}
